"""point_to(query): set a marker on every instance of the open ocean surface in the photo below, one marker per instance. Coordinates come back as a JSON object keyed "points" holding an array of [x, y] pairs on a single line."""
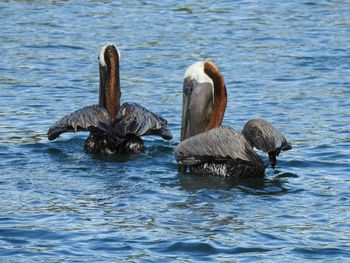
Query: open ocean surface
{"points": [[285, 61]]}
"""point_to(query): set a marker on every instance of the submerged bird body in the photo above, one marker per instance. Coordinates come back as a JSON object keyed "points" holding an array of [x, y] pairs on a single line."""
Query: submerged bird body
{"points": [[114, 129], [113, 145], [208, 148], [220, 151]]}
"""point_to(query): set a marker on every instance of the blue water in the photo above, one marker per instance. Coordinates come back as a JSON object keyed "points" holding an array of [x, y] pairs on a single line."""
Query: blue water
{"points": [[285, 61]]}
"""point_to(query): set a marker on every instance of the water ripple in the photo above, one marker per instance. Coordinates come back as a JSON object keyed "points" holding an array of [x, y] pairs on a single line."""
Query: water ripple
{"points": [[285, 61]]}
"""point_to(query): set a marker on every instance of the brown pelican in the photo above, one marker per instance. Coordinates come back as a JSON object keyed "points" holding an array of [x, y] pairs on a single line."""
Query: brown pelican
{"points": [[262, 135], [113, 128], [206, 147]]}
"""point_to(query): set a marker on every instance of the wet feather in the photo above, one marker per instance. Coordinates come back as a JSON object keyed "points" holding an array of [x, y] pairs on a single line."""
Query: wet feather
{"points": [[217, 144], [262, 135], [91, 118]]}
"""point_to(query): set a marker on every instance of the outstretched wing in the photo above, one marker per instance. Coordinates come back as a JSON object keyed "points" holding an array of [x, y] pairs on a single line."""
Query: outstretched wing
{"points": [[133, 119], [264, 136], [91, 118], [217, 144]]}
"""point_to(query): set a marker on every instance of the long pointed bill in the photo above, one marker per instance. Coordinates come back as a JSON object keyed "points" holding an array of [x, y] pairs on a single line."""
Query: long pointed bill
{"points": [[187, 90], [197, 106], [103, 83]]}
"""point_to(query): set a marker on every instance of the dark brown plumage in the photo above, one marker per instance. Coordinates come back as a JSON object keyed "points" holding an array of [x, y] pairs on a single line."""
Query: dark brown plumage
{"points": [[113, 128], [208, 148], [220, 151], [262, 135]]}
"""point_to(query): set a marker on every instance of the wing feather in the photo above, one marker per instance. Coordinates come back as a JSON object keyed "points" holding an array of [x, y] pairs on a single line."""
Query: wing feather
{"points": [[218, 144], [133, 119], [91, 118]]}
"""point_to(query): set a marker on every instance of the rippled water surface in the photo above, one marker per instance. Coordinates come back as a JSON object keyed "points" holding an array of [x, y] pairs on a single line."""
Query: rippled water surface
{"points": [[285, 61]]}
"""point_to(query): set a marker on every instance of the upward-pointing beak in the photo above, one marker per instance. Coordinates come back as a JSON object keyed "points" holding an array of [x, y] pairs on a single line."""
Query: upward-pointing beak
{"points": [[187, 90], [103, 84], [197, 106]]}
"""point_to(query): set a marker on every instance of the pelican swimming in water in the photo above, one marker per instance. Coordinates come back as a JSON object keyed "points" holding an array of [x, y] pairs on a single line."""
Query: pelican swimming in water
{"points": [[113, 128], [206, 147]]}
